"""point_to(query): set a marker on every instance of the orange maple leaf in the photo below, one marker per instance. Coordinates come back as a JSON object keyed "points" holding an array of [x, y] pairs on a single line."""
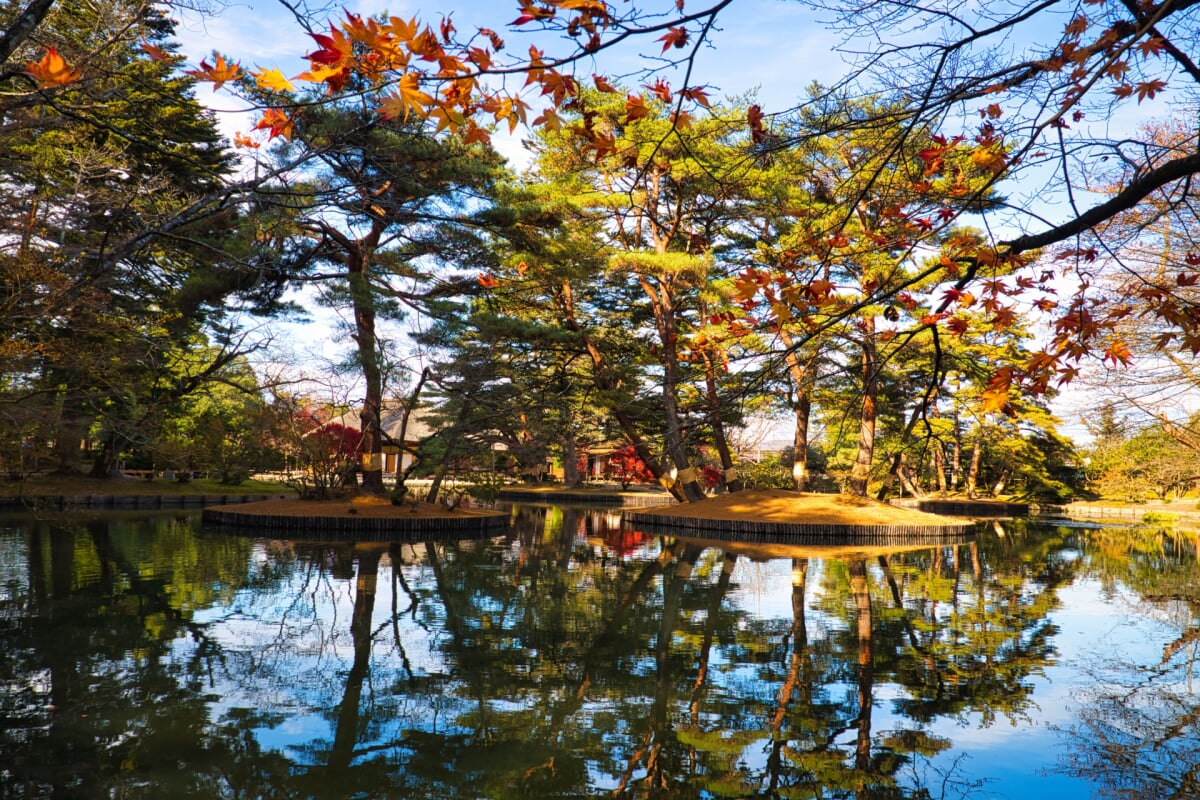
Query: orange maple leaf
{"points": [[995, 397], [1151, 47], [697, 95], [277, 122], [1118, 353], [603, 85], [242, 140], [488, 281], [51, 70], [635, 108], [217, 73], [157, 53]]}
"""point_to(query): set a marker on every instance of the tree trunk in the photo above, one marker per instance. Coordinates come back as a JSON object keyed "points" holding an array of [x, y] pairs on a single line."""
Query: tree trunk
{"points": [[801, 378], [346, 731], [803, 413], [956, 452], [570, 461], [939, 466], [866, 664], [973, 470], [604, 379], [860, 473], [371, 446], [713, 409], [105, 465], [998, 489]]}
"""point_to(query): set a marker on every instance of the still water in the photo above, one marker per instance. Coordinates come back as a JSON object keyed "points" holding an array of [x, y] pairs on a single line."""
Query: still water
{"points": [[148, 658]]}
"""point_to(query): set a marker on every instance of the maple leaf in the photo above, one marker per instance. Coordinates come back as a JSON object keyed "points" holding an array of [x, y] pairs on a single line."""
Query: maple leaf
{"points": [[1118, 353], [447, 118], [754, 118], [531, 12], [51, 70], [674, 37], [447, 29], [217, 73], [603, 85], [1148, 89], [475, 134], [514, 110], [958, 326], [682, 120], [1004, 317], [480, 57], [277, 122], [697, 95], [1123, 90], [157, 53], [488, 280], [991, 160], [1151, 47], [995, 397], [242, 140], [405, 30], [493, 37], [635, 108], [548, 119], [993, 111], [274, 80], [329, 52], [660, 89], [1077, 26], [407, 98]]}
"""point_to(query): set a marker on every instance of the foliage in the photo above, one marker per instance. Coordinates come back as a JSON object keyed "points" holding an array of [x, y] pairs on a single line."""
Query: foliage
{"points": [[626, 466]]}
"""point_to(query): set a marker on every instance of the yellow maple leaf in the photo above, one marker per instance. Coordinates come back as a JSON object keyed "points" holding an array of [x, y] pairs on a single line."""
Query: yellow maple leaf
{"points": [[407, 98], [51, 70], [274, 80]]}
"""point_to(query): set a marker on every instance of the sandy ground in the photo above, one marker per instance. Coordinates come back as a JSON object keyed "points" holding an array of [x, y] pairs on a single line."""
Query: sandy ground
{"points": [[779, 506], [764, 505]]}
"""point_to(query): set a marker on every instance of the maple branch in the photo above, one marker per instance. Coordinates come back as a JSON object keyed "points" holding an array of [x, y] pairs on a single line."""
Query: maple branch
{"points": [[1124, 200]]}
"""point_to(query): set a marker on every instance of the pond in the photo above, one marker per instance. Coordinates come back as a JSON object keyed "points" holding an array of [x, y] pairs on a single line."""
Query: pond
{"points": [[146, 658]]}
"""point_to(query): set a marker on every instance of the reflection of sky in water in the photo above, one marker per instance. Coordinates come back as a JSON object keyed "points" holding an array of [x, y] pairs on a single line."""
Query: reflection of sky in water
{"points": [[301, 631], [288, 651]]}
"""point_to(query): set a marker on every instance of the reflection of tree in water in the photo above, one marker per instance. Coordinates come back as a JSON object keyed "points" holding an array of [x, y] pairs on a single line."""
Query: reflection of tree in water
{"points": [[106, 671], [538, 665], [1138, 730]]}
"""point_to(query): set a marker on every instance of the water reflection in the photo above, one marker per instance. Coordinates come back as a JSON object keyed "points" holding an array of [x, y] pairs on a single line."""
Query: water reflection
{"points": [[575, 657]]}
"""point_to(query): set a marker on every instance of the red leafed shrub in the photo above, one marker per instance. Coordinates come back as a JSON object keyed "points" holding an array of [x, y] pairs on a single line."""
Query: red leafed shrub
{"points": [[626, 466]]}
